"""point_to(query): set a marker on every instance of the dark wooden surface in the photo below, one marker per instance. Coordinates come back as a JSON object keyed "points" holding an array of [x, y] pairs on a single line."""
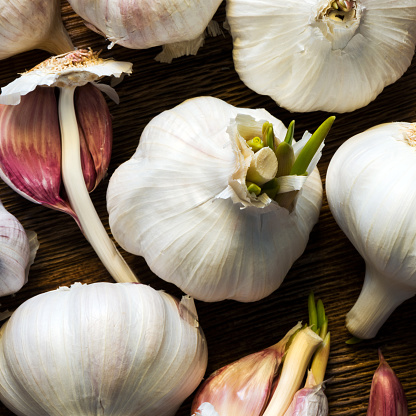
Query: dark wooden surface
{"points": [[330, 266]]}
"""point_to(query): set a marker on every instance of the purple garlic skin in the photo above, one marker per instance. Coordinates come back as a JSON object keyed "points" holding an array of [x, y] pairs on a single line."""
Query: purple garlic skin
{"points": [[309, 402], [387, 396], [30, 144]]}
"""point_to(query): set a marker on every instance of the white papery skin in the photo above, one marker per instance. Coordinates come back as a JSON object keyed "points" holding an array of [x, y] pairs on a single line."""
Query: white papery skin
{"points": [[307, 62], [17, 253], [118, 349], [141, 24], [178, 202], [372, 196], [32, 24]]}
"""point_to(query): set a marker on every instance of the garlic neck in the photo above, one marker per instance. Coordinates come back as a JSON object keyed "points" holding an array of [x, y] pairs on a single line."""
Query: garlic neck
{"points": [[379, 297]]}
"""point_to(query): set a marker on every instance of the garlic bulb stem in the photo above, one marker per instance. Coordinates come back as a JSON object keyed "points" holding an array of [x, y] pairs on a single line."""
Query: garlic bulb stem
{"points": [[78, 195], [378, 299], [296, 361]]}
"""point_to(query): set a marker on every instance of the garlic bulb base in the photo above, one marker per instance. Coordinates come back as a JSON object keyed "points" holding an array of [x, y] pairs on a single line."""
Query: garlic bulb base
{"points": [[378, 299]]}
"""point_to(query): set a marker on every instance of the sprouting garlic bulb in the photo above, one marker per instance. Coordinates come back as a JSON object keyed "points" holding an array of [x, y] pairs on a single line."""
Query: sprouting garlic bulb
{"points": [[331, 55], [120, 349], [183, 203], [17, 252], [372, 196], [142, 24], [32, 24]]}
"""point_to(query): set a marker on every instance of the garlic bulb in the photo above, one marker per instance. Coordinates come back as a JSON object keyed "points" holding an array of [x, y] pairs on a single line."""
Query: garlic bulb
{"points": [[119, 349], [330, 55], [371, 194], [183, 203], [32, 24], [17, 252], [141, 24], [72, 141]]}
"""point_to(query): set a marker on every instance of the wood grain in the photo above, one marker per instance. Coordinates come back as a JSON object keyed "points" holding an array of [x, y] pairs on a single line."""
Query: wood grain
{"points": [[330, 266]]}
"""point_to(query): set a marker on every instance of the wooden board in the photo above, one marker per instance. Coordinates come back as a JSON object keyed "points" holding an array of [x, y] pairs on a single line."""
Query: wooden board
{"points": [[330, 266]]}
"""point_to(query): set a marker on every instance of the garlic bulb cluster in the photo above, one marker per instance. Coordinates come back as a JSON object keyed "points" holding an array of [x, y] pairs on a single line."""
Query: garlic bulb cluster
{"points": [[46, 144], [17, 252], [184, 201], [119, 349], [178, 25], [32, 24], [371, 194], [330, 55]]}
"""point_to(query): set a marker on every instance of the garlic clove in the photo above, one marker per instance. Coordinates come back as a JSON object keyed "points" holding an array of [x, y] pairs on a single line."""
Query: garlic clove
{"points": [[148, 23], [67, 72], [17, 252], [387, 396], [309, 401], [244, 386], [32, 24]]}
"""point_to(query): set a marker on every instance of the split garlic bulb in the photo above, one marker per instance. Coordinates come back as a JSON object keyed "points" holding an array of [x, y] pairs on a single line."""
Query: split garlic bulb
{"points": [[140, 24], [330, 55], [17, 252], [182, 202], [372, 196], [32, 24], [120, 349]]}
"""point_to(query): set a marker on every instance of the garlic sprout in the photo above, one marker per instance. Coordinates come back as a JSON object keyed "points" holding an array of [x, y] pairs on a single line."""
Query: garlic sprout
{"points": [[371, 194], [76, 141], [330, 55], [17, 252], [104, 348], [180, 26], [32, 24], [186, 203]]}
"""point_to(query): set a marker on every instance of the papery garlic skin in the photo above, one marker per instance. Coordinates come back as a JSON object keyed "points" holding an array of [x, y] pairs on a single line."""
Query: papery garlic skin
{"points": [[17, 252], [309, 401], [181, 202], [143, 24], [306, 60], [32, 24], [371, 194], [116, 349]]}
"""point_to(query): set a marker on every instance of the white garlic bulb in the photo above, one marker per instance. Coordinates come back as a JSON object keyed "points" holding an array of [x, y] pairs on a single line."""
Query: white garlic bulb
{"points": [[330, 55], [17, 252], [183, 204], [120, 349], [32, 24], [142, 24], [372, 196]]}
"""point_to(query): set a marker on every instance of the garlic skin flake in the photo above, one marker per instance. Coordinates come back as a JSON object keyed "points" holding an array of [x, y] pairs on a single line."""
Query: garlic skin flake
{"points": [[17, 253], [121, 349], [182, 203], [142, 24], [32, 24], [371, 194], [308, 56]]}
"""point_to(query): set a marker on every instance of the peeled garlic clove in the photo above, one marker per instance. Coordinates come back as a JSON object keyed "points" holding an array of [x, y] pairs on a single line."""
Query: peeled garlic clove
{"points": [[32, 24], [182, 203], [17, 252], [387, 396], [308, 56], [371, 194], [30, 144], [147, 23], [244, 386], [120, 349]]}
